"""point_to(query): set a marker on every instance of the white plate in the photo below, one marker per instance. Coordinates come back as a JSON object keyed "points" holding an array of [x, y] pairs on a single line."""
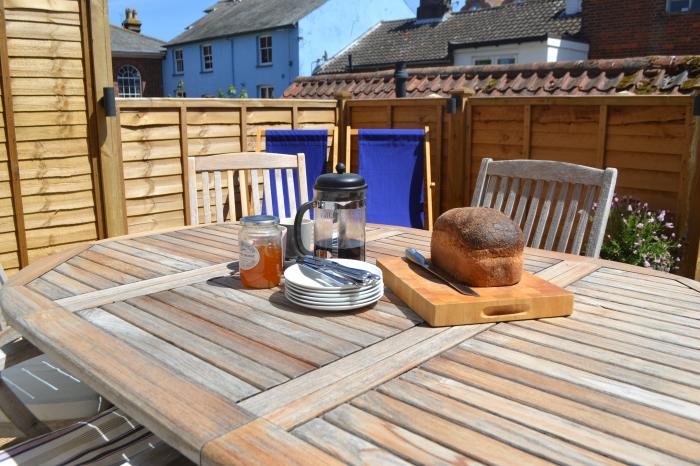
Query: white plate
{"points": [[335, 295], [334, 291], [331, 301], [303, 277], [334, 308]]}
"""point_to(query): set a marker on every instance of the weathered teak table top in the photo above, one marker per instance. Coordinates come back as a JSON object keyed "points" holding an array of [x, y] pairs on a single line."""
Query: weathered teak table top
{"points": [[228, 376]]}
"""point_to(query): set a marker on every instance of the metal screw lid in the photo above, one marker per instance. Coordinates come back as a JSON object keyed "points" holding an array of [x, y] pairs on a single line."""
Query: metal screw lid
{"points": [[260, 220]]}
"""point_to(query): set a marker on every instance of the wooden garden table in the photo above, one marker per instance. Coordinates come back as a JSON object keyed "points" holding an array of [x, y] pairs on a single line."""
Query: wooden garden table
{"points": [[157, 325]]}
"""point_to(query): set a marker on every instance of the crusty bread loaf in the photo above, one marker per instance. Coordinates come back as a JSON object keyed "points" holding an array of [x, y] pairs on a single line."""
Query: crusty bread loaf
{"points": [[478, 246]]}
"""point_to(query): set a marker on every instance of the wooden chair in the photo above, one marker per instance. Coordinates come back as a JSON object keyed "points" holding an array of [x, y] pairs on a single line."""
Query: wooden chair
{"points": [[248, 166], [429, 183], [574, 195], [332, 155]]}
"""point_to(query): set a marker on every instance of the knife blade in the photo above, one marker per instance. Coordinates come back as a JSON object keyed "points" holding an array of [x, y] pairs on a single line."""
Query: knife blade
{"points": [[418, 259]]}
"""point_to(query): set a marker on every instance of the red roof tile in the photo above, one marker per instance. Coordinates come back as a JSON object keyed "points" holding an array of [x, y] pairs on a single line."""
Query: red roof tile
{"points": [[645, 75]]}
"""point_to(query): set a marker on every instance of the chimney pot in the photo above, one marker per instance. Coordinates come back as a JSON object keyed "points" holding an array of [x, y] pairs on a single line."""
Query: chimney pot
{"points": [[573, 7], [433, 9], [131, 22]]}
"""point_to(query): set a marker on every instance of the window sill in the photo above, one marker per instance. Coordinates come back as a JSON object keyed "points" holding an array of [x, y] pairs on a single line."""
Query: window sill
{"points": [[206, 71], [264, 65], [178, 74]]}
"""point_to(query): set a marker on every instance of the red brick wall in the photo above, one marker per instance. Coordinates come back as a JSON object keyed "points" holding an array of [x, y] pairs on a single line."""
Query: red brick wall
{"points": [[151, 73], [616, 29]]}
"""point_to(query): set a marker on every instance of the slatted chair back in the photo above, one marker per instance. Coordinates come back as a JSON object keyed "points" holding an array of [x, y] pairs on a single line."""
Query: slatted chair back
{"points": [[429, 184], [249, 169], [550, 197]]}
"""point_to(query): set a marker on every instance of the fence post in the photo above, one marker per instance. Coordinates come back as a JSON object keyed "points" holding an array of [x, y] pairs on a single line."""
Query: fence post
{"points": [[693, 195], [342, 98], [460, 166], [108, 131]]}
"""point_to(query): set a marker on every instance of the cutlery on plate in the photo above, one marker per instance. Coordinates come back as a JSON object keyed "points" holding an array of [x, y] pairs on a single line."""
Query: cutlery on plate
{"points": [[418, 259], [357, 276], [336, 278]]}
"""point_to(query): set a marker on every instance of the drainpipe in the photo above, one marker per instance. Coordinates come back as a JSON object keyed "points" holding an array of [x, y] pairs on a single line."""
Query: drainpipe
{"points": [[400, 78]]}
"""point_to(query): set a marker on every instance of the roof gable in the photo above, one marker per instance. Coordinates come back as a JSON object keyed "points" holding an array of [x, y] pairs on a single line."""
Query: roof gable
{"points": [[233, 17], [417, 42], [127, 42]]}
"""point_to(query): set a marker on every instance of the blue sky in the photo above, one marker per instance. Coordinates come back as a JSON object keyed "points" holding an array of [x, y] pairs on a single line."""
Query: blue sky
{"points": [[165, 19]]}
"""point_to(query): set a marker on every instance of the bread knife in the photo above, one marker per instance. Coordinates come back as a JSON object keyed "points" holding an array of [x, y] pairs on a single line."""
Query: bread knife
{"points": [[417, 258]]}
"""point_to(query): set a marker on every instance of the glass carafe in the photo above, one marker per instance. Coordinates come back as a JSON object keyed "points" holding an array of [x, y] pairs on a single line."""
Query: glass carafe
{"points": [[339, 216]]}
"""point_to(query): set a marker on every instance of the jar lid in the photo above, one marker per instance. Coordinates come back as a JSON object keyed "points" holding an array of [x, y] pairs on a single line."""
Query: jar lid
{"points": [[260, 220], [341, 181]]}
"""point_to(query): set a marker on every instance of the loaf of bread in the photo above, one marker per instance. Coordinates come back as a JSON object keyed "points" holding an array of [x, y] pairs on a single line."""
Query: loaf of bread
{"points": [[479, 247]]}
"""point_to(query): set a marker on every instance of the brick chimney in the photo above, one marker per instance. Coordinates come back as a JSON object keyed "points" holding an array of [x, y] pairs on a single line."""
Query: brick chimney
{"points": [[433, 9], [131, 22]]}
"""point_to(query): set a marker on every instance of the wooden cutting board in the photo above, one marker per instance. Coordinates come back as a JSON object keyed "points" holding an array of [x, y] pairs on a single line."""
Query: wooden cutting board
{"points": [[440, 305]]}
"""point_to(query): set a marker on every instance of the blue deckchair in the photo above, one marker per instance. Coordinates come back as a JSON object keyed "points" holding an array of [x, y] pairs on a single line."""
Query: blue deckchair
{"points": [[312, 143], [396, 165]]}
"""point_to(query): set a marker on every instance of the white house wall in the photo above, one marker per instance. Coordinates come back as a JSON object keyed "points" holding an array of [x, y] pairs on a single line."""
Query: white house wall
{"points": [[529, 52]]}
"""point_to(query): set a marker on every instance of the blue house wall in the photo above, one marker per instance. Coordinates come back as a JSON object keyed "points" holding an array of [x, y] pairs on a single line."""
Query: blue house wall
{"points": [[296, 50]]}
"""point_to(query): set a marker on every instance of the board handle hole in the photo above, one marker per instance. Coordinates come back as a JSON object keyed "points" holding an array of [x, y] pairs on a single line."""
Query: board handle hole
{"points": [[509, 310]]}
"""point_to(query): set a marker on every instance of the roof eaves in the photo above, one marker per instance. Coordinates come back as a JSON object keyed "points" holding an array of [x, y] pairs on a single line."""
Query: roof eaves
{"points": [[226, 36], [487, 43]]}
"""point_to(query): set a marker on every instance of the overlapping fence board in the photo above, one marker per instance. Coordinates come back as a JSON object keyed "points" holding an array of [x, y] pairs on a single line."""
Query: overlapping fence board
{"points": [[646, 138], [155, 132], [47, 75]]}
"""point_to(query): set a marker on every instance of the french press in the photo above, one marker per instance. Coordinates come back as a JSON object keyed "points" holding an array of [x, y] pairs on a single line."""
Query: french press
{"points": [[339, 216]]}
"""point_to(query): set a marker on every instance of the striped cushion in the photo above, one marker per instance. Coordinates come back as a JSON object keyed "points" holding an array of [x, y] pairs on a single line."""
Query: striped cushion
{"points": [[110, 438]]}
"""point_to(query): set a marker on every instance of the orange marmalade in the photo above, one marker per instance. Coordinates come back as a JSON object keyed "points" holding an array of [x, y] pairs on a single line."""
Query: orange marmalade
{"points": [[260, 243]]}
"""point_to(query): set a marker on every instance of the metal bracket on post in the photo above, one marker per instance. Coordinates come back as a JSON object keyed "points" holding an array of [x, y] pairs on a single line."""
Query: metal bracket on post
{"points": [[109, 102]]}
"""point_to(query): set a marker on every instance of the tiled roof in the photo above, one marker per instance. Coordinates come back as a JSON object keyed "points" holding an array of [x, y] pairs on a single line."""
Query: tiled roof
{"points": [[644, 75], [125, 42], [421, 43], [231, 17]]}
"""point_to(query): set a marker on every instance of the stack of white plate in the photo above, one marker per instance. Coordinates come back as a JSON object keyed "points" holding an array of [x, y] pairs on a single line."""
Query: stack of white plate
{"points": [[313, 290]]}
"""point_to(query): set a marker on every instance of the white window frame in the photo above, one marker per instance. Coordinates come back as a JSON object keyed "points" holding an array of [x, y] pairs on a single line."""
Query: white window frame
{"points": [[267, 48], [268, 90], [129, 82], [693, 5], [493, 59], [179, 61], [204, 56]]}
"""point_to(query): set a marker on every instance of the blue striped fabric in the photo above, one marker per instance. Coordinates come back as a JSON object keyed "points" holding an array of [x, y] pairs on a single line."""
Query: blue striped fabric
{"points": [[110, 438]]}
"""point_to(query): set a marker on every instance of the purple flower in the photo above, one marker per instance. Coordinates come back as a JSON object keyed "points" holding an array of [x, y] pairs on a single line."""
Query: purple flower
{"points": [[662, 216], [647, 264], [616, 199], [669, 225], [629, 208], [640, 225]]}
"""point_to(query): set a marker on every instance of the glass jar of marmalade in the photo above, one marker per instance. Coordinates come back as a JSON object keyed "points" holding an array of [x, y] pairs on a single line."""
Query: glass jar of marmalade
{"points": [[261, 253]]}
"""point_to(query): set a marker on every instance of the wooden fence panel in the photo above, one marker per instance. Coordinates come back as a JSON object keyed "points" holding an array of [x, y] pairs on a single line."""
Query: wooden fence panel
{"points": [[158, 135], [45, 56]]}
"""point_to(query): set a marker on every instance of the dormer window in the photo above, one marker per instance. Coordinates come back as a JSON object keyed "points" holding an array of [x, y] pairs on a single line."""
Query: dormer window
{"points": [[682, 6]]}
